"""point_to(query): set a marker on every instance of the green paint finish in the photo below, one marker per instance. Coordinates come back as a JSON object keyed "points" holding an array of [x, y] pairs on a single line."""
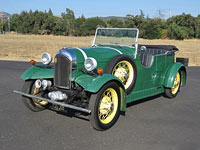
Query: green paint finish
{"points": [[150, 80], [38, 72], [148, 77], [136, 95], [94, 83], [183, 76], [102, 55], [171, 74], [123, 99], [84, 80]]}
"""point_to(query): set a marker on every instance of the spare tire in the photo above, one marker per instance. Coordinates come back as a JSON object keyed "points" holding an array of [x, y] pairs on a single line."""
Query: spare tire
{"points": [[124, 68]]}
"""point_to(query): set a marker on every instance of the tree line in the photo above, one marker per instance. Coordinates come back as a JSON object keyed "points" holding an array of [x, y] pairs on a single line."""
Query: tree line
{"points": [[184, 26]]}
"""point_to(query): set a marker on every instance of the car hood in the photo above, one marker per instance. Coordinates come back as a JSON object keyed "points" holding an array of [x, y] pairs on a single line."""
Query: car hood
{"points": [[99, 53], [102, 54]]}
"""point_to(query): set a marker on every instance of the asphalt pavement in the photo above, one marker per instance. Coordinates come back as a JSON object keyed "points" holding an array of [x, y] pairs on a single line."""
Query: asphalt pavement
{"points": [[156, 123]]}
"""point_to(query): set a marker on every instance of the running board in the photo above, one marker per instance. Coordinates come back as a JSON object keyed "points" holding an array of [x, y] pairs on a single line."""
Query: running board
{"points": [[54, 102]]}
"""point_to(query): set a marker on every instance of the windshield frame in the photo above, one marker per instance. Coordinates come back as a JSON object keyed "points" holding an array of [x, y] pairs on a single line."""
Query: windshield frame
{"points": [[136, 38]]}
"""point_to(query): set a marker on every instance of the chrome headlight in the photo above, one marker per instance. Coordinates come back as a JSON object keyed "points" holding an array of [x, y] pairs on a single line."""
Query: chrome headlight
{"points": [[46, 58], [90, 64]]}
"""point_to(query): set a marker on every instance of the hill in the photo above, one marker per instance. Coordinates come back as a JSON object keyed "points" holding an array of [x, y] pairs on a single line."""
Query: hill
{"points": [[111, 17], [4, 15]]}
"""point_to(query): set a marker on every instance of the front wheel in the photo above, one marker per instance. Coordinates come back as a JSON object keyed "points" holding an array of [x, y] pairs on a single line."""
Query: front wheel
{"points": [[32, 104], [173, 92], [105, 106]]}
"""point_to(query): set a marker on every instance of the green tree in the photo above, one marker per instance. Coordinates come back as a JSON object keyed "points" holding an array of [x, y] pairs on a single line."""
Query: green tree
{"points": [[115, 23], [14, 22], [49, 23], [177, 32], [79, 22], [59, 28], [69, 21], [90, 25], [137, 21], [186, 21], [152, 29], [198, 23]]}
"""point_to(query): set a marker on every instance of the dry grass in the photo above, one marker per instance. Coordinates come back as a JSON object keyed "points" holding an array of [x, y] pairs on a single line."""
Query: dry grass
{"points": [[26, 47]]}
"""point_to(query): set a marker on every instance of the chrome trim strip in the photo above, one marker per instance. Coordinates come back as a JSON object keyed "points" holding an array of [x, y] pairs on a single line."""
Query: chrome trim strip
{"points": [[136, 43], [69, 54], [84, 54], [114, 49], [53, 102]]}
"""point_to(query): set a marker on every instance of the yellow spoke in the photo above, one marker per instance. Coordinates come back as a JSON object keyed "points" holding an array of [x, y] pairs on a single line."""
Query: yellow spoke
{"points": [[108, 105], [122, 69], [36, 101], [176, 84]]}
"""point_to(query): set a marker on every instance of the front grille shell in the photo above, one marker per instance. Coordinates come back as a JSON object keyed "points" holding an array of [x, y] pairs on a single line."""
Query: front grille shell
{"points": [[65, 62]]}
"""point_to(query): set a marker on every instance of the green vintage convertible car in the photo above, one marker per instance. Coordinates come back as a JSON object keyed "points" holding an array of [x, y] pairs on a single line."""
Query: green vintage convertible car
{"points": [[100, 80]]}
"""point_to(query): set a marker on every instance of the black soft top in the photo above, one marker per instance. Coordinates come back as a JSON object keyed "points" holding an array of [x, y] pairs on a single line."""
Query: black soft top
{"points": [[165, 47]]}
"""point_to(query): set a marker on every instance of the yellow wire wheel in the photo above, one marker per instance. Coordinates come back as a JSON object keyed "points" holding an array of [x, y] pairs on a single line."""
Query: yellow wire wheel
{"points": [[173, 91], [32, 104], [176, 84], [108, 105], [124, 71], [36, 101], [105, 106]]}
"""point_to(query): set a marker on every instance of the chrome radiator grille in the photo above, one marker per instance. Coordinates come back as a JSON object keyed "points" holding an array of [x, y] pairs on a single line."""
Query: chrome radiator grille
{"points": [[62, 72]]}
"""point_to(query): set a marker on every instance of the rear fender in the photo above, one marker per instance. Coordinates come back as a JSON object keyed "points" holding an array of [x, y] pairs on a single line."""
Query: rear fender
{"points": [[171, 74], [94, 84], [38, 72]]}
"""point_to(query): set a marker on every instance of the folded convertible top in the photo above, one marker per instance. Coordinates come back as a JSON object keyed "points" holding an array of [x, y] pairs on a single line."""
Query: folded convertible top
{"points": [[165, 47]]}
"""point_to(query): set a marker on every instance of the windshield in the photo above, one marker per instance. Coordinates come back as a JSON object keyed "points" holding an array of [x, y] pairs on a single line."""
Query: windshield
{"points": [[116, 36]]}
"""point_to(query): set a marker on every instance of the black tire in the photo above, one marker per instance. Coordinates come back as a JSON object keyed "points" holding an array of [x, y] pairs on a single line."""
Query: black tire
{"points": [[168, 91], [115, 60], [94, 107], [28, 102]]}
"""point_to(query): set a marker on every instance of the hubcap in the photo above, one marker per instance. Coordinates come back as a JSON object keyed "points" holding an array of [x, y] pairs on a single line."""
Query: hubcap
{"points": [[108, 105], [124, 71], [176, 84]]}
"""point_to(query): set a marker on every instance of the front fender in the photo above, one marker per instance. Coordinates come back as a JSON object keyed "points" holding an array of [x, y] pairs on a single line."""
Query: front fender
{"points": [[37, 72], [94, 84], [171, 74]]}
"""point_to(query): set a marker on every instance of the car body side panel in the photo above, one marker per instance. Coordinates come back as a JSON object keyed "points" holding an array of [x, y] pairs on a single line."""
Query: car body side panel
{"points": [[150, 79], [136, 95], [38, 72]]}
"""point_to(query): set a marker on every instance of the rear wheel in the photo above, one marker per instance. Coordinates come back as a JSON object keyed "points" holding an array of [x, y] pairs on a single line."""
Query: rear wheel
{"points": [[32, 104], [173, 92], [105, 107]]}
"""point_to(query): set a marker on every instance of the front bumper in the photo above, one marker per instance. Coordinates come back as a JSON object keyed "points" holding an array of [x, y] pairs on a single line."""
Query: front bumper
{"points": [[54, 102]]}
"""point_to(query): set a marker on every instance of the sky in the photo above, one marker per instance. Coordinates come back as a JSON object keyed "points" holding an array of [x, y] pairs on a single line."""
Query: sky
{"points": [[92, 8]]}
